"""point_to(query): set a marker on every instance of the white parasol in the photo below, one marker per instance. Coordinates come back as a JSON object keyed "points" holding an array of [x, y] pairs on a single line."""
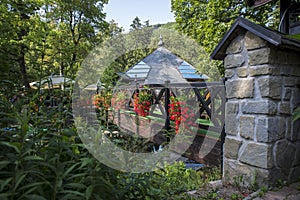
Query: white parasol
{"points": [[53, 81]]}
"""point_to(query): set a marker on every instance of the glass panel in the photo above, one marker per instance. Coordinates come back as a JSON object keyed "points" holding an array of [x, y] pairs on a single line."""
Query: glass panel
{"points": [[188, 71], [192, 76], [141, 67], [185, 67], [185, 63], [136, 75], [138, 71]]}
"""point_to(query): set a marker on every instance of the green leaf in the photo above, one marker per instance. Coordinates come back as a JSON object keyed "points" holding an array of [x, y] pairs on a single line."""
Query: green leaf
{"points": [[33, 158], [4, 164], [32, 185], [14, 145], [50, 166], [81, 175], [77, 186], [5, 195], [296, 114], [19, 180], [4, 183], [35, 197], [89, 191], [85, 162], [70, 169], [27, 192], [76, 193]]}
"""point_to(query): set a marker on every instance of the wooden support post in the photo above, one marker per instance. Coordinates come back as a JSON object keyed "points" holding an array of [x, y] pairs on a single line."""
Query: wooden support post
{"points": [[284, 16], [167, 102]]}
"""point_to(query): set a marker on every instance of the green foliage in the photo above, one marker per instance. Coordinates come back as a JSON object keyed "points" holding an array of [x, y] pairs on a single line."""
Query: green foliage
{"points": [[78, 28], [42, 156], [166, 183], [43, 37], [236, 196], [240, 184], [280, 183], [136, 24], [295, 36], [208, 21], [296, 114], [121, 64], [212, 195], [263, 191], [18, 23]]}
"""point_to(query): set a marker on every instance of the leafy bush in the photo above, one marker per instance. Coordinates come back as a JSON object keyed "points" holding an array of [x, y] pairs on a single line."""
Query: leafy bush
{"points": [[42, 157], [170, 182]]}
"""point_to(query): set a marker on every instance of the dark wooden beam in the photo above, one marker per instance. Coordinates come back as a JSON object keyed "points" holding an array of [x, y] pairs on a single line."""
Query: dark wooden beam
{"points": [[284, 16]]}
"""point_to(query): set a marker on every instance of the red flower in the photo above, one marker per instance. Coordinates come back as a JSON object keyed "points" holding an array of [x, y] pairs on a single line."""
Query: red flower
{"points": [[142, 102], [180, 113]]}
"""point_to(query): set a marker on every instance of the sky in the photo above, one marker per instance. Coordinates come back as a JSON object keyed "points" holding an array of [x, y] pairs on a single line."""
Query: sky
{"points": [[124, 11]]}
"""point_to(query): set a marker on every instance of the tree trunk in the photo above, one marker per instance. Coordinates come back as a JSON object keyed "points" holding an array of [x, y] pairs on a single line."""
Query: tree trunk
{"points": [[22, 65], [21, 59]]}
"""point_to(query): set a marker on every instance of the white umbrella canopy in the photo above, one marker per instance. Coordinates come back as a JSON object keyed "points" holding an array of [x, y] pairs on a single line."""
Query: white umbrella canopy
{"points": [[94, 87], [51, 82]]}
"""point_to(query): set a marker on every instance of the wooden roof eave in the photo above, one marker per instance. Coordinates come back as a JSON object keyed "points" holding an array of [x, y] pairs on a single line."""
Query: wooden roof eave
{"points": [[241, 26]]}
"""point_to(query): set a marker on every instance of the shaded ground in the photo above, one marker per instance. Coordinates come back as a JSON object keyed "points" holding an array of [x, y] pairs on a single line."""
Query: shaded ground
{"points": [[291, 192], [215, 191]]}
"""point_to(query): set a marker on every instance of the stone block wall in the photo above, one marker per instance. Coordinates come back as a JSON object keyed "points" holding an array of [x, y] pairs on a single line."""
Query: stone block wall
{"points": [[262, 90]]}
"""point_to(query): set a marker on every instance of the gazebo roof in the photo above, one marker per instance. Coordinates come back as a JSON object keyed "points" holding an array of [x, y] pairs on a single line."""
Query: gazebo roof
{"points": [[161, 66]]}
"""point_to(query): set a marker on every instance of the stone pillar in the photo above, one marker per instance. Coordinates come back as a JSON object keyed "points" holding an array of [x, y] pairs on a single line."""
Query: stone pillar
{"points": [[262, 90]]}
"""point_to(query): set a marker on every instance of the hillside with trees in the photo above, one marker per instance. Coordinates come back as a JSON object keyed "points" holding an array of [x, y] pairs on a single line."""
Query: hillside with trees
{"points": [[42, 156]]}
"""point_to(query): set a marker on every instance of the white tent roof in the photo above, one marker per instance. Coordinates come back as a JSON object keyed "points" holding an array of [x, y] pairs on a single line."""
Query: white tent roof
{"points": [[53, 81]]}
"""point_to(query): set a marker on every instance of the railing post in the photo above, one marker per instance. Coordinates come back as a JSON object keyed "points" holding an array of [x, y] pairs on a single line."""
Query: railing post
{"points": [[167, 103]]}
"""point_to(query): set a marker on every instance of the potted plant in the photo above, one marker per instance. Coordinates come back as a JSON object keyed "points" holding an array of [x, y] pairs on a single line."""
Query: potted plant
{"points": [[180, 113], [142, 102]]}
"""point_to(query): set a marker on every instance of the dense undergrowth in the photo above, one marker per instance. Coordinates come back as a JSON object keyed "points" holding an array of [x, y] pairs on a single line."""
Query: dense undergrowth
{"points": [[42, 157]]}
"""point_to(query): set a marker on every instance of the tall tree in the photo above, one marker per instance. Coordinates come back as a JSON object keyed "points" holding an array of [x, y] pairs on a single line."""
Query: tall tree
{"points": [[133, 46], [77, 25], [208, 20], [18, 20], [39, 37], [136, 23]]}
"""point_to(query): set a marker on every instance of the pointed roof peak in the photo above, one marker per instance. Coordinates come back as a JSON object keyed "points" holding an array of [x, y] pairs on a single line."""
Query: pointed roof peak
{"points": [[161, 41]]}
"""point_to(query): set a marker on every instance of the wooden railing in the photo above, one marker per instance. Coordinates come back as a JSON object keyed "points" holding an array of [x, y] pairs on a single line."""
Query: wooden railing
{"points": [[208, 99]]}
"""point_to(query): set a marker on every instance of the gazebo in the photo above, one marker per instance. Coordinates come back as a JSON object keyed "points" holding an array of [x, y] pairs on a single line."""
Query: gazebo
{"points": [[163, 93]]}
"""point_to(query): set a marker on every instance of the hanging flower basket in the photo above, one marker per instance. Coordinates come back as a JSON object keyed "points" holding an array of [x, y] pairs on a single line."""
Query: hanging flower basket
{"points": [[142, 102], [181, 114]]}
